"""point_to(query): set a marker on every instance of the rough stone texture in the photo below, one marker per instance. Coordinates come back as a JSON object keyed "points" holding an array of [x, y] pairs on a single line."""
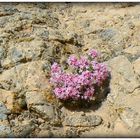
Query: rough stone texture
{"points": [[3, 109], [81, 120], [23, 52], [131, 118], [123, 74], [54, 132], [38, 98], [137, 66], [46, 110], [123, 80], [8, 98], [133, 51], [34, 35], [23, 129], [5, 130]]}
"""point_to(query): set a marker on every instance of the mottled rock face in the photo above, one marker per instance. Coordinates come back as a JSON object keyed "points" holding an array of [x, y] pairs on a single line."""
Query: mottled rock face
{"points": [[34, 35], [137, 66], [123, 74], [38, 98], [23, 52], [81, 120], [5, 130], [131, 118]]}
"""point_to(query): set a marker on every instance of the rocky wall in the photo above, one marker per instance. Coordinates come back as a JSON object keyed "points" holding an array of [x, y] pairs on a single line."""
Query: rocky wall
{"points": [[34, 35]]}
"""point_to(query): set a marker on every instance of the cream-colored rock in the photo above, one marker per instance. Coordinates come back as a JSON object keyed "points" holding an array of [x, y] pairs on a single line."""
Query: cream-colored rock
{"points": [[36, 78], [137, 66], [8, 97], [131, 119], [122, 74], [133, 50], [57, 132], [82, 120], [34, 98], [45, 134], [29, 75]]}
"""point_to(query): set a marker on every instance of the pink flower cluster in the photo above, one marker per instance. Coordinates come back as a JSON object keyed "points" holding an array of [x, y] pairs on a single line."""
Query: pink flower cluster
{"points": [[81, 85]]}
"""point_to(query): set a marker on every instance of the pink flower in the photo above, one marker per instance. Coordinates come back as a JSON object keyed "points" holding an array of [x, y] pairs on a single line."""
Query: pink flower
{"points": [[100, 72], [73, 61], [93, 53], [89, 93], [80, 85], [55, 68], [85, 78], [83, 63]]}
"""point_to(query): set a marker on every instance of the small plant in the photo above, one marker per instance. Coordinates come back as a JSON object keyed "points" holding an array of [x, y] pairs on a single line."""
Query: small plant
{"points": [[87, 73]]}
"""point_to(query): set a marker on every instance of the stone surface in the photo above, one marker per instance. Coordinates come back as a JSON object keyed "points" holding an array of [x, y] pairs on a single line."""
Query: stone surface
{"points": [[3, 109], [23, 76], [49, 113], [23, 129], [34, 35], [137, 66], [131, 118], [133, 50], [123, 82], [81, 120], [23, 52], [132, 53], [45, 134], [44, 110], [8, 98], [5, 130], [122, 74], [34, 98], [57, 132]]}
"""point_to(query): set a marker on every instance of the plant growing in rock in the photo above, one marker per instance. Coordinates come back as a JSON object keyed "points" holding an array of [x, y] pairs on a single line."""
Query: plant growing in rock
{"points": [[86, 74]]}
